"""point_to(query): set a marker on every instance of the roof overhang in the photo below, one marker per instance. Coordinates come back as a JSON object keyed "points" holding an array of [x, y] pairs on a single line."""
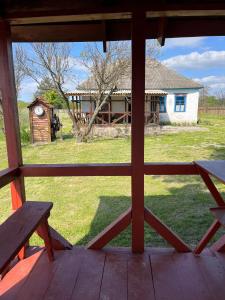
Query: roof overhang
{"points": [[82, 20], [117, 93]]}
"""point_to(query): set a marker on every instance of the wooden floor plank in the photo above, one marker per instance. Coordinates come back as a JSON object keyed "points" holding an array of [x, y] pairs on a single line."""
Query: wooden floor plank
{"points": [[65, 276], [89, 280], [179, 276], [140, 285], [213, 273], [190, 277], [13, 281], [40, 278], [114, 281]]}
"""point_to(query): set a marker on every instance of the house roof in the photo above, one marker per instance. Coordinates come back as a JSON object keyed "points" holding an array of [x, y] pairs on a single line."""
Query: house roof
{"points": [[157, 77], [40, 100], [83, 92]]}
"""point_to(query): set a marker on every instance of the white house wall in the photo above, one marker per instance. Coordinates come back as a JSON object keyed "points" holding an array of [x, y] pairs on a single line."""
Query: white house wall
{"points": [[191, 112]]}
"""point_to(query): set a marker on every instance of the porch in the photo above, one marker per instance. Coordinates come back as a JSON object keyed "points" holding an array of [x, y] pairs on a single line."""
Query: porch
{"points": [[115, 273]]}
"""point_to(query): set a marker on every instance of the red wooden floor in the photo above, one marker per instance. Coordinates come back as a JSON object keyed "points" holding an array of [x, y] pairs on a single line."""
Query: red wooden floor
{"points": [[117, 274]]}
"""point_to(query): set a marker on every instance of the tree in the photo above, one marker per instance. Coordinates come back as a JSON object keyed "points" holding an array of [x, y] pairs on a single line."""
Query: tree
{"points": [[106, 70], [52, 60], [19, 58], [47, 90], [53, 98]]}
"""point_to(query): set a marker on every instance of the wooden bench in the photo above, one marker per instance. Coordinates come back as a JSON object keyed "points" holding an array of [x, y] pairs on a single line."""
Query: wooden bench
{"points": [[18, 228], [219, 214]]}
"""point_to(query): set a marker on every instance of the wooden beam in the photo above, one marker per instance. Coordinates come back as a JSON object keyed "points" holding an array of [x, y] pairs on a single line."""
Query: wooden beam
{"points": [[174, 168], [8, 175], [45, 170], [212, 188], [58, 241], [111, 231], [137, 130], [161, 33], [207, 237], [219, 245], [166, 232], [116, 30], [10, 112]]}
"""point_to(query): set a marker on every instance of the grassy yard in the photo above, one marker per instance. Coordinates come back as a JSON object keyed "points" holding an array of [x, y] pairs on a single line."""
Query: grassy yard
{"points": [[83, 206]]}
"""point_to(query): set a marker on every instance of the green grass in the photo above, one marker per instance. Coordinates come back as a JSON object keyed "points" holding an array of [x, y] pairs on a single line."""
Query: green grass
{"points": [[83, 206]]}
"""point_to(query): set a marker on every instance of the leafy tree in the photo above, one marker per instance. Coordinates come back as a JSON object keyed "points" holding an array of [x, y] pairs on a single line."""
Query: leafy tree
{"points": [[53, 98]]}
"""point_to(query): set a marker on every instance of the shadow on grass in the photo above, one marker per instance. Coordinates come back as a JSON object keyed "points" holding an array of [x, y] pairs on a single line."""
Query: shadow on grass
{"points": [[185, 210]]}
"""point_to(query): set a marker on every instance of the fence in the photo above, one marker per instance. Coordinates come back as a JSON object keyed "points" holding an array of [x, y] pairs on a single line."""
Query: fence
{"points": [[216, 110]]}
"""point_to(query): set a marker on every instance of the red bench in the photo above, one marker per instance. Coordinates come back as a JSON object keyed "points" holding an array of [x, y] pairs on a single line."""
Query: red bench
{"points": [[18, 228]]}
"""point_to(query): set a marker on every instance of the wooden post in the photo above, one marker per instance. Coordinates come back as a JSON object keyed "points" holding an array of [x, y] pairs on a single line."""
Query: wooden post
{"points": [[137, 130], [10, 111]]}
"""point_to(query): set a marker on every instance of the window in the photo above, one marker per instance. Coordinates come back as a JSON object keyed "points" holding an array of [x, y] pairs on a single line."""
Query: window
{"points": [[162, 104], [180, 103]]}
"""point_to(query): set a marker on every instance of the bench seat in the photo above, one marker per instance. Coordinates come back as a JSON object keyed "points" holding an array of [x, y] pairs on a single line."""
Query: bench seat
{"points": [[18, 228]]}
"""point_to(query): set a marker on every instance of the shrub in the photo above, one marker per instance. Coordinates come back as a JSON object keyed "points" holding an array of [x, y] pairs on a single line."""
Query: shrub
{"points": [[25, 135]]}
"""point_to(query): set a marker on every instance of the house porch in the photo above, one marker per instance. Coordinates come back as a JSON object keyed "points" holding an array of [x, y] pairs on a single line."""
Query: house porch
{"points": [[115, 273]]}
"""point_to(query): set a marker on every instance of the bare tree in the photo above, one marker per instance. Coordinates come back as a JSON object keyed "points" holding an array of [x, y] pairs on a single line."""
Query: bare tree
{"points": [[53, 61], [18, 59], [107, 69]]}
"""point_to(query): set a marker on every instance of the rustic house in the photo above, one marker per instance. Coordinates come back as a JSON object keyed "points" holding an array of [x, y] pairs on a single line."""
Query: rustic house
{"points": [[169, 98]]}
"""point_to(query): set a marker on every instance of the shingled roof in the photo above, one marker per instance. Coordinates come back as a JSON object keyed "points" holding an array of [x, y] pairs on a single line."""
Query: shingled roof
{"points": [[158, 76]]}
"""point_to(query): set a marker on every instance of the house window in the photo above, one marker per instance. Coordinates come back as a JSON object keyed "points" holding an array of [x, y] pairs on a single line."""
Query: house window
{"points": [[180, 103], [162, 104]]}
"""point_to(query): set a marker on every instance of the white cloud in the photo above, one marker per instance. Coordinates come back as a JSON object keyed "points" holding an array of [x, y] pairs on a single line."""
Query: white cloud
{"points": [[214, 83], [196, 60], [184, 42]]}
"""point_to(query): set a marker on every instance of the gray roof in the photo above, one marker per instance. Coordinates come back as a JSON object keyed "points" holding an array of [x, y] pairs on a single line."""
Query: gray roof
{"points": [[157, 76]]}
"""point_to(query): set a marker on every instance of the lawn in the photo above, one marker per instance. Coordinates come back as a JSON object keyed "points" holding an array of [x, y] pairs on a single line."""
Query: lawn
{"points": [[83, 206]]}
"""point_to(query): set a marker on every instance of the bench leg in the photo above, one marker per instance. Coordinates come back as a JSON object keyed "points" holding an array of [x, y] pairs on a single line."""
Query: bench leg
{"points": [[43, 229]]}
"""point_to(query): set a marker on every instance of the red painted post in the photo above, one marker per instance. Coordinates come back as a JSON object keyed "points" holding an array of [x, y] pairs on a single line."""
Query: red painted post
{"points": [[137, 130], [11, 119]]}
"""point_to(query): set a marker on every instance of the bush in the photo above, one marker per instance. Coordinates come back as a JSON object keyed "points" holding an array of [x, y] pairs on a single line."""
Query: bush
{"points": [[25, 135]]}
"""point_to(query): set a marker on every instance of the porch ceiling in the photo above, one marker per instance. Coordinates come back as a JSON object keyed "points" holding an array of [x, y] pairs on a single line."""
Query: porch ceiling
{"points": [[83, 20]]}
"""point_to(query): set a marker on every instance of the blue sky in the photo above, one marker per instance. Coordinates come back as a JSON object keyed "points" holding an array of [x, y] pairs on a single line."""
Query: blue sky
{"points": [[199, 58]]}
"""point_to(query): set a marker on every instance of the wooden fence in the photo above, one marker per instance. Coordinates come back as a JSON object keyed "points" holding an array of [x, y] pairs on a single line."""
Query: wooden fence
{"points": [[216, 110]]}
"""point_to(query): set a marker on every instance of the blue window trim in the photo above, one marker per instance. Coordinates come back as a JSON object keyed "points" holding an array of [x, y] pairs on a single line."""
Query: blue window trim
{"points": [[175, 100], [164, 100]]}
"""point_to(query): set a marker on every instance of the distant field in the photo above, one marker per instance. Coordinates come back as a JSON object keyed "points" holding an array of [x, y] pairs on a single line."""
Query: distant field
{"points": [[84, 206]]}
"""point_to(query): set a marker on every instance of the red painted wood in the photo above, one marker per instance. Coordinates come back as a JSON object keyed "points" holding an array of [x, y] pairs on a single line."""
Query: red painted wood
{"points": [[13, 281], [212, 188], [83, 274], [65, 275], [166, 232], [219, 245], [219, 214], [58, 241], [46, 170], [41, 170], [88, 284], [11, 119], [207, 237], [8, 175], [38, 281], [18, 228], [45, 233], [137, 130], [140, 284], [111, 231], [216, 168], [177, 168], [114, 280]]}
